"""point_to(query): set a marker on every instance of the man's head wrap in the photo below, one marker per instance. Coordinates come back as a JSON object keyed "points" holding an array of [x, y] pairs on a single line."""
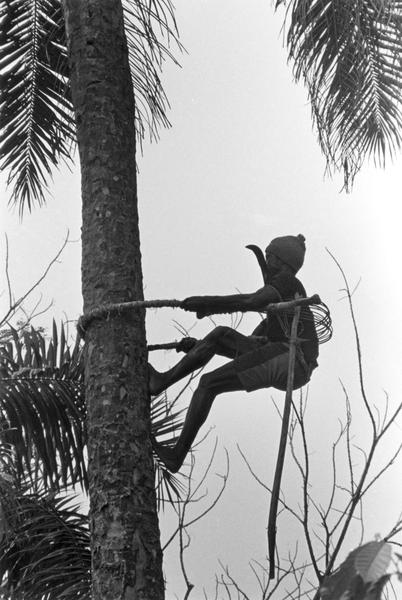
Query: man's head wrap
{"points": [[290, 249]]}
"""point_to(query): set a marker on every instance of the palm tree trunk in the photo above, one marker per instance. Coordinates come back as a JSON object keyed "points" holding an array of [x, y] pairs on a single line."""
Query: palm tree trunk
{"points": [[125, 543]]}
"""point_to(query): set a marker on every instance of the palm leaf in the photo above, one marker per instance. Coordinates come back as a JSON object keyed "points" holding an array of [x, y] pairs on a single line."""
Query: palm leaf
{"points": [[150, 29], [44, 550], [37, 127], [348, 53], [42, 412], [36, 122], [43, 422], [167, 425], [42, 408]]}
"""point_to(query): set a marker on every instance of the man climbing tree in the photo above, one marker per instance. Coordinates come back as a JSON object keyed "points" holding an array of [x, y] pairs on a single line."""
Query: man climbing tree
{"points": [[259, 360]]}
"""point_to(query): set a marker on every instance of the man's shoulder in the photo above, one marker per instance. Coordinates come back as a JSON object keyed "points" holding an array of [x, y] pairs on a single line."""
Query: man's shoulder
{"points": [[287, 284]]}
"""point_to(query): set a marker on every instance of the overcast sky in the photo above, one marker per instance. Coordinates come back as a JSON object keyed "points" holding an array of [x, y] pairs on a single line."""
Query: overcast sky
{"points": [[240, 165]]}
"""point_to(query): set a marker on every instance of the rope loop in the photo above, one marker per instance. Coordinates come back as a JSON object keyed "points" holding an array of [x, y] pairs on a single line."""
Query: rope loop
{"points": [[105, 311]]}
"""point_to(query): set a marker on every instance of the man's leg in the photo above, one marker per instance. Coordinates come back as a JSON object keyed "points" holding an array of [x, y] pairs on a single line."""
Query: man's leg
{"points": [[223, 379], [229, 378], [223, 341]]}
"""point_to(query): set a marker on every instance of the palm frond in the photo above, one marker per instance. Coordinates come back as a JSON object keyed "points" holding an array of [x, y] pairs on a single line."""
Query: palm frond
{"points": [[44, 549], [42, 412], [167, 425], [43, 423], [348, 52], [150, 30], [42, 408], [36, 117], [37, 128]]}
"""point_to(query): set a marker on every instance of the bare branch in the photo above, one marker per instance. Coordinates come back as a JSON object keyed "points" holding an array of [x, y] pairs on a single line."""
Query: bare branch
{"points": [[10, 294], [14, 306], [357, 344], [264, 485]]}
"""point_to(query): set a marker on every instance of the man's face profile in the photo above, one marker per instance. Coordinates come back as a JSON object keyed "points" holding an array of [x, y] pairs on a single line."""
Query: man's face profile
{"points": [[273, 263]]}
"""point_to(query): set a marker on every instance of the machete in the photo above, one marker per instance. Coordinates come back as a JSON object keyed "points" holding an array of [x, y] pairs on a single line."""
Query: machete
{"points": [[261, 260]]}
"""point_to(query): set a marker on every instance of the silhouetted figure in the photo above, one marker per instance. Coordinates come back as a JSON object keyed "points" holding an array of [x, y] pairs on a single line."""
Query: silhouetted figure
{"points": [[257, 361]]}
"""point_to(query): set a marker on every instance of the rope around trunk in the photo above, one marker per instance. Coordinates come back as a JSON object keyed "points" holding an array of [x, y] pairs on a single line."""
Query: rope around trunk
{"points": [[107, 310]]}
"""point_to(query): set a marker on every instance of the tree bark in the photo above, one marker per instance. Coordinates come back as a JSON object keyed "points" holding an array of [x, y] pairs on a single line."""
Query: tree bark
{"points": [[125, 541]]}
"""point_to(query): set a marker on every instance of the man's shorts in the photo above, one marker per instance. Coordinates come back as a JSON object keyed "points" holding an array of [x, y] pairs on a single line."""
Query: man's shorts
{"points": [[268, 367]]}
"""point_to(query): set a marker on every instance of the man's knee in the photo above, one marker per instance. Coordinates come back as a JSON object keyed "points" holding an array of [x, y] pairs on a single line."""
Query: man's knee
{"points": [[223, 379], [204, 381], [219, 333], [207, 381]]}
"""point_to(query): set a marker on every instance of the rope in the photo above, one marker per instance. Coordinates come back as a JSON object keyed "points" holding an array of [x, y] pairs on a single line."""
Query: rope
{"points": [[107, 310]]}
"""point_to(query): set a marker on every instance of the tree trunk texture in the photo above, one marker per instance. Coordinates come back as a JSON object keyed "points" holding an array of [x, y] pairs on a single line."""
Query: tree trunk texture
{"points": [[125, 541]]}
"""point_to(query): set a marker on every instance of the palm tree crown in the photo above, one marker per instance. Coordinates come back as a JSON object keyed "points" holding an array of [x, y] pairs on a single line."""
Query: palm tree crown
{"points": [[37, 128], [348, 53]]}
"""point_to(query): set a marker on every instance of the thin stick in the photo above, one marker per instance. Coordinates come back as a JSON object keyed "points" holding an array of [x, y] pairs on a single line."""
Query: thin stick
{"points": [[284, 306], [167, 346], [276, 488]]}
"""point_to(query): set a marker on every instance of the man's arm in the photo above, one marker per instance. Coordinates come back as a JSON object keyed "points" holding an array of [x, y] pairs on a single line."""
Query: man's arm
{"points": [[210, 305]]}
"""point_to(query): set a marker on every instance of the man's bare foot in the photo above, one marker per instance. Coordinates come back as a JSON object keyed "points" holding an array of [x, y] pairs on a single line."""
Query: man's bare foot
{"points": [[167, 456], [156, 381]]}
